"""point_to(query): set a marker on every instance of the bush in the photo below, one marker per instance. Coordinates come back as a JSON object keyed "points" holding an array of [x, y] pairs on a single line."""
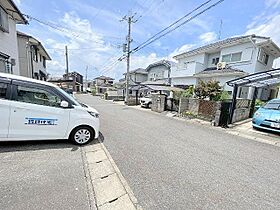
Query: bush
{"points": [[210, 89], [188, 93], [259, 103], [93, 92], [223, 96]]}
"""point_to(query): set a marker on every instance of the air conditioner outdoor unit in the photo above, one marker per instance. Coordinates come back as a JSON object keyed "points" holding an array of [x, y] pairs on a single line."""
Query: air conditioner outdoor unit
{"points": [[221, 65]]}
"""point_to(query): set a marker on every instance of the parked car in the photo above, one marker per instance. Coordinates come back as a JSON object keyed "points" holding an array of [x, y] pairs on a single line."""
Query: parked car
{"points": [[268, 116], [39, 110], [146, 101]]}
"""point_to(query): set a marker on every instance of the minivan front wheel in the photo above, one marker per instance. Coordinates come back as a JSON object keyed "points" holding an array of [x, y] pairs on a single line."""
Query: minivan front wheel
{"points": [[82, 135]]}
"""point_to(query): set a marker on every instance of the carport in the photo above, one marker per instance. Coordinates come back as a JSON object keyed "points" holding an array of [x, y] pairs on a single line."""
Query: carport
{"points": [[256, 80]]}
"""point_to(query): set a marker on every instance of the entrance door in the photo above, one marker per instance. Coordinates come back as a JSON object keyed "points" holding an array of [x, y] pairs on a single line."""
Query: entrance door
{"points": [[36, 114]]}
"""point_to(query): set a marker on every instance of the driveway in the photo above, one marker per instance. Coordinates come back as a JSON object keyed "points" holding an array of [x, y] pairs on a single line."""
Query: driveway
{"points": [[42, 175], [172, 164]]}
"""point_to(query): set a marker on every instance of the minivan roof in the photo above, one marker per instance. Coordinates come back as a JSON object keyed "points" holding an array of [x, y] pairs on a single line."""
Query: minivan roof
{"points": [[16, 77]]}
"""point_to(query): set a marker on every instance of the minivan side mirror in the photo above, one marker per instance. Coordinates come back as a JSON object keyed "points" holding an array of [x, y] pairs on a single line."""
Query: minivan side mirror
{"points": [[64, 104]]}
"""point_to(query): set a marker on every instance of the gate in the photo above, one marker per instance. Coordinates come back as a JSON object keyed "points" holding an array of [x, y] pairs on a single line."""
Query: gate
{"points": [[225, 114]]}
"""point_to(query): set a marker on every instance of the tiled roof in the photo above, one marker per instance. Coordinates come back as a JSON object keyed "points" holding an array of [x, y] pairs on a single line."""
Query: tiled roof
{"points": [[167, 63], [214, 70], [221, 43], [104, 77], [156, 82], [138, 71]]}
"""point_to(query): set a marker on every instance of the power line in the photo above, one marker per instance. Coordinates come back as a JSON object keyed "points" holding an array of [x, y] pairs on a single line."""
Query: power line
{"points": [[177, 21], [74, 32], [151, 40], [153, 6], [146, 43]]}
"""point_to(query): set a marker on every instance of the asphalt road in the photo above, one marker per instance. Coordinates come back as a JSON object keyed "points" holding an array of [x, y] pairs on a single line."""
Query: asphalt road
{"points": [[171, 164], [42, 175]]}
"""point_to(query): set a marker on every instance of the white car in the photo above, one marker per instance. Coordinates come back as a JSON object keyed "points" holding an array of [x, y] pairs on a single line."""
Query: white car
{"points": [[39, 110], [146, 101]]}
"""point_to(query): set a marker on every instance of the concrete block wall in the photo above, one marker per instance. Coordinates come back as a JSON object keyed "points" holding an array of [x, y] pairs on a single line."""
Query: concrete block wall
{"points": [[241, 114], [183, 105], [158, 103], [193, 106]]}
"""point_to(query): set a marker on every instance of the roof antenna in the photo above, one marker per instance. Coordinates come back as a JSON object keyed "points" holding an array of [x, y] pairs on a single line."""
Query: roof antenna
{"points": [[220, 30]]}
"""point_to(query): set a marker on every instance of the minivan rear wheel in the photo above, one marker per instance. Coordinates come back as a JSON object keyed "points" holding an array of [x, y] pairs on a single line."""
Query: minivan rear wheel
{"points": [[82, 135]]}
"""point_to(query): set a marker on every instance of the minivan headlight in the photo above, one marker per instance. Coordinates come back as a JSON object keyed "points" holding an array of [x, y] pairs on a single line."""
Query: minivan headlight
{"points": [[94, 114]]}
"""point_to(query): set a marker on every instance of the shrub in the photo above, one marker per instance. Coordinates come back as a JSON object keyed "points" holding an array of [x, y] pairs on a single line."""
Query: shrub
{"points": [[223, 96], [188, 93], [210, 89], [93, 92], [259, 103]]}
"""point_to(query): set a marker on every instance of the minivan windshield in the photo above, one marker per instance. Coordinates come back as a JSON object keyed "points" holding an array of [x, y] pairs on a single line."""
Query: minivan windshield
{"points": [[72, 99], [272, 105]]}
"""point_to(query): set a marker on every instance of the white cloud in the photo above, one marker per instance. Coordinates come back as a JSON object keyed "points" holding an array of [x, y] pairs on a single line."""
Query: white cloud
{"points": [[272, 3], [269, 28], [18, 2], [208, 37], [94, 51], [182, 49]]}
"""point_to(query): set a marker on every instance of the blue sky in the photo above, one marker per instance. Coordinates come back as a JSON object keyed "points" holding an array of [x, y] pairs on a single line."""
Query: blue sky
{"points": [[93, 31]]}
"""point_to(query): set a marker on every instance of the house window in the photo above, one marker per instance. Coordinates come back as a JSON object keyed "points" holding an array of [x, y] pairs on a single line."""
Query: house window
{"points": [[40, 58], [4, 20], [5, 65], [44, 61], [3, 90], [215, 61], [236, 57], [232, 57], [35, 53], [263, 57]]}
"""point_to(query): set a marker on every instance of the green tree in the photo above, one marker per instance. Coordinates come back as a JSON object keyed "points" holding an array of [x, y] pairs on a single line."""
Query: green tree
{"points": [[210, 89], [188, 93]]}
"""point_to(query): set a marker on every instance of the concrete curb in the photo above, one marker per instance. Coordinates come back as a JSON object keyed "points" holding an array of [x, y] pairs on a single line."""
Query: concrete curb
{"points": [[111, 191]]}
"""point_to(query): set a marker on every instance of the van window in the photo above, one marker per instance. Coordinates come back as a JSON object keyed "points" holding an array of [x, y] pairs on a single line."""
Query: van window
{"points": [[3, 90], [37, 96]]}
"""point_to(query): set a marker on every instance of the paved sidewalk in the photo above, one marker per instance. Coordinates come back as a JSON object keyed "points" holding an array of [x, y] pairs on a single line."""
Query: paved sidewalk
{"points": [[245, 129], [109, 186]]}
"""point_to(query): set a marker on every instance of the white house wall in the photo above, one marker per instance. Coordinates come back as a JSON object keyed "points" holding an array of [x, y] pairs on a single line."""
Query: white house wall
{"points": [[248, 58], [8, 44], [23, 57], [259, 66], [161, 72], [210, 57], [140, 77], [183, 81]]}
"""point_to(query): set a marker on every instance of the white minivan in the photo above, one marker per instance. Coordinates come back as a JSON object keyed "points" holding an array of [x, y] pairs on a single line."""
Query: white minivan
{"points": [[38, 110]]}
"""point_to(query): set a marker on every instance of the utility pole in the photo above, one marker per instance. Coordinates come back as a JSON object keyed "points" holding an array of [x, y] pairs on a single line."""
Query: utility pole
{"points": [[86, 72], [66, 59], [129, 20], [220, 30]]}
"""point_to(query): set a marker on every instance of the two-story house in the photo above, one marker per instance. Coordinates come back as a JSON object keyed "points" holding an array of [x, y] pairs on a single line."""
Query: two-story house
{"points": [[9, 17], [102, 84], [32, 57], [75, 81], [225, 60], [137, 75], [159, 73]]}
